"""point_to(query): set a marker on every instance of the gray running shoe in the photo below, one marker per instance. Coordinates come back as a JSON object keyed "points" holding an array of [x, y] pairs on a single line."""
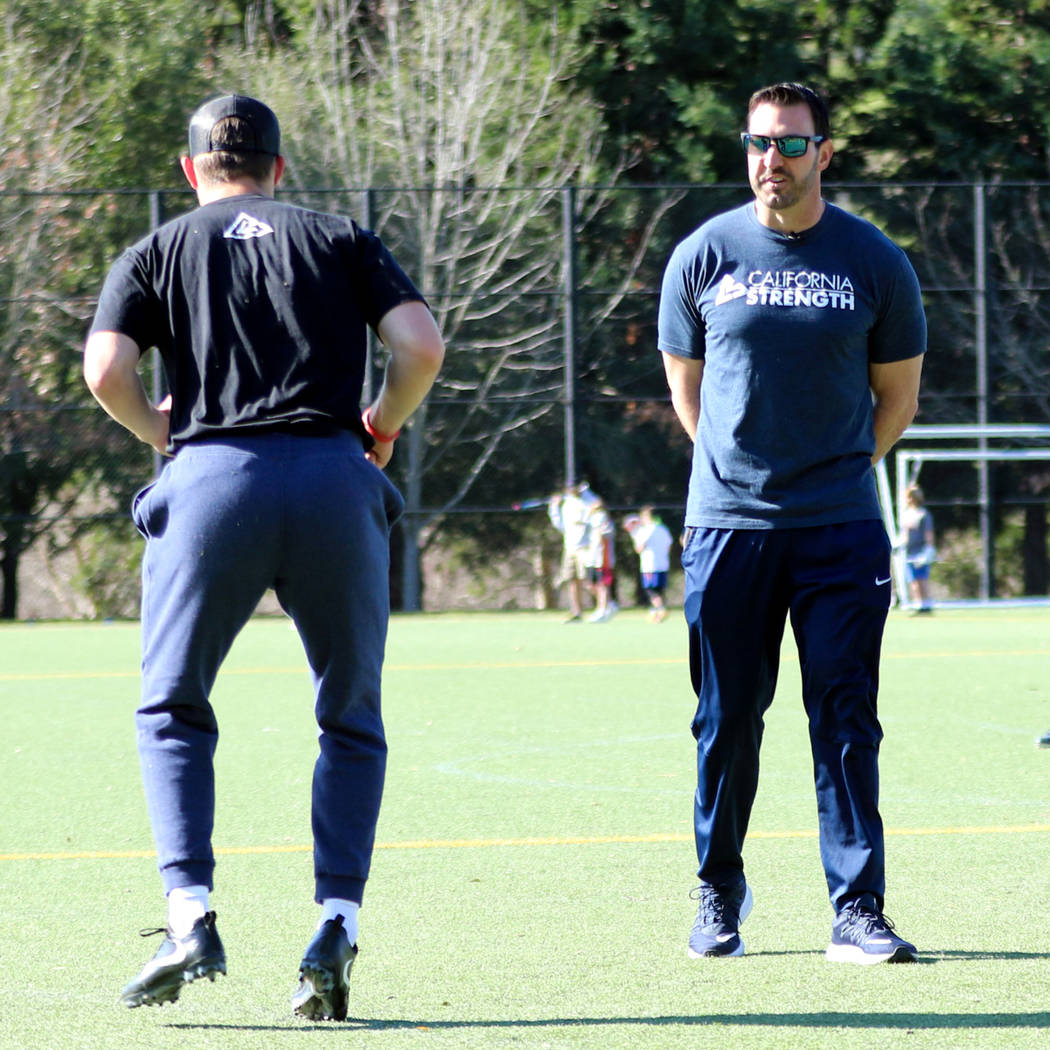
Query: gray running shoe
{"points": [[864, 935], [716, 931]]}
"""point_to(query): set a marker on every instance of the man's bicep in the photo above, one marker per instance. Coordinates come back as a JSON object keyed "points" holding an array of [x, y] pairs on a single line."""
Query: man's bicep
{"points": [[896, 381], [684, 375], [107, 352], [407, 326]]}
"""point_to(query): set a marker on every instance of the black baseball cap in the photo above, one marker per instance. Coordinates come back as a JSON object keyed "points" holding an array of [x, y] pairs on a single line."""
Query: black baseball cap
{"points": [[262, 134]]}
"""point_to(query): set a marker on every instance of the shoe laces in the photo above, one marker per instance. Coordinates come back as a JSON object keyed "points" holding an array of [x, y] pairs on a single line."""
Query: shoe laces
{"points": [[714, 905], [866, 919]]}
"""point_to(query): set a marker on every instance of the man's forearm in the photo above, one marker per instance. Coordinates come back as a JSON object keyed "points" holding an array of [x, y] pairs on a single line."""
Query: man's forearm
{"points": [[890, 422], [111, 374], [895, 387]]}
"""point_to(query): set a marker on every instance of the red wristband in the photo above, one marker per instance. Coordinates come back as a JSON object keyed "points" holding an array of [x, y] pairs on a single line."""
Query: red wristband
{"points": [[366, 419]]}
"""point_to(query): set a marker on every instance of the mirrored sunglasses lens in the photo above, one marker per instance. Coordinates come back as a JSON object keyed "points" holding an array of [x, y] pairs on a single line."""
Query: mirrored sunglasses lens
{"points": [[792, 146], [757, 143]]}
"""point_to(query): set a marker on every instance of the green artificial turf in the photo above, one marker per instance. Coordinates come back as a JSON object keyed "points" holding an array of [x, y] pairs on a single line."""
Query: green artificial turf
{"points": [[530, 885]]}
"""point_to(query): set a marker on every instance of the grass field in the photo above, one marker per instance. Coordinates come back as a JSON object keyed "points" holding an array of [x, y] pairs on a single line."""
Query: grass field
{"points": [[531, 884]]}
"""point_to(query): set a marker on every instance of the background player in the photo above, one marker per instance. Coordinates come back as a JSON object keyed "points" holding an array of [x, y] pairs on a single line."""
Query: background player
{"points": [[919, 549], [653, 542]]}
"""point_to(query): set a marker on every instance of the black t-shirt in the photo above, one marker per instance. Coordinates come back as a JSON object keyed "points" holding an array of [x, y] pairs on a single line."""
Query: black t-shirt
{"points": [[258, 309]]}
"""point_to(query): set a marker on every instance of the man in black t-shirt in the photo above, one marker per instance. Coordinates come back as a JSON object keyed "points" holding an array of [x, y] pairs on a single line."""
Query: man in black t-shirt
{"points": [[259, 311]]}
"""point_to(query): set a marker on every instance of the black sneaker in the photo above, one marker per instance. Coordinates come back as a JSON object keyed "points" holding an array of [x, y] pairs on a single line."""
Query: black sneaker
{"points": [[716, 931], [179, 960], [324, 974], [1044, 740], [864, 935]]}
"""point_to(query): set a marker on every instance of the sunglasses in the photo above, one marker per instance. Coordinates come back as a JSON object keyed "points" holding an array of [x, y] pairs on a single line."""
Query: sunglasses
{"points": [[788, 145]]}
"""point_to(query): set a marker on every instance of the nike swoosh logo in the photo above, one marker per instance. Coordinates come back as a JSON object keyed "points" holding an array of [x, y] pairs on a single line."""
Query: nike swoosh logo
{"points": [[879, 583]]}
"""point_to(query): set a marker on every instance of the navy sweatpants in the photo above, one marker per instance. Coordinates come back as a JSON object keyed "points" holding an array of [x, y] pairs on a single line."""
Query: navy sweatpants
{"points": [[741, 585], [226, 519]]}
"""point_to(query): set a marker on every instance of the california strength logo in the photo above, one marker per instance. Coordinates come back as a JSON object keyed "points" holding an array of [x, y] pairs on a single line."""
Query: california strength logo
{"points": [[789, 288]]}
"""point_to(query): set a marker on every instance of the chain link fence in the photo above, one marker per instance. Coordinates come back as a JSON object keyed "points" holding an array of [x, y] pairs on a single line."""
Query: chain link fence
{"points": [[547, 297]]}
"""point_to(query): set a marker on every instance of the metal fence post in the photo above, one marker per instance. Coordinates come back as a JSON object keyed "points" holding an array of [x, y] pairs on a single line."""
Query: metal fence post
{"points": [[367, 220], [156, 218], [987, 585], [569, 389]]}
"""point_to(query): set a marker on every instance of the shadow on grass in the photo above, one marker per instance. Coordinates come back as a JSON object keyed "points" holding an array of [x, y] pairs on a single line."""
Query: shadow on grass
{"points": [[830, 1019], [960, 956], [929, 956], [898, 1022]]}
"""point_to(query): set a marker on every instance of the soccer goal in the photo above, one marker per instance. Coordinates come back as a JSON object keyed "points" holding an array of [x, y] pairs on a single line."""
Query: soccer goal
{"points": [[909, 461]]}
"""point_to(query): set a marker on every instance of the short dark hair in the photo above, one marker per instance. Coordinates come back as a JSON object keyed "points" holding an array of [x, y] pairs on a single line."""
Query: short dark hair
{"points": [[792, 94], [226, 165]]}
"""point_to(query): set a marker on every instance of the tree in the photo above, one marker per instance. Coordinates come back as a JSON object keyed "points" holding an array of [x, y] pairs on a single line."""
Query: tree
{"points": [[41, 109], [464, 109], [948, 98], [84, 92]]}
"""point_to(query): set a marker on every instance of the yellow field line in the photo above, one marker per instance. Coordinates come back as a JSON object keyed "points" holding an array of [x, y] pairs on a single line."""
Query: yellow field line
{"points": [[554, 840], [509, 665]]}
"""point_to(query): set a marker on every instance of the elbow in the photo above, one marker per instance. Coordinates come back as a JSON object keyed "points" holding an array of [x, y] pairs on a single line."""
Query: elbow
{"points": [[911, 410], [101, 361], [103, 379], [110, 364], [896, 414], [432, 356]]}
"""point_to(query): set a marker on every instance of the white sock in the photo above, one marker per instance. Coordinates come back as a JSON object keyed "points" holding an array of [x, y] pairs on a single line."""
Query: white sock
{"points": [[333, 906], [186, 904]]}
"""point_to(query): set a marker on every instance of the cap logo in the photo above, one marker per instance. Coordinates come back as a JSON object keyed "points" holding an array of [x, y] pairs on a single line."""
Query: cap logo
{"points": [[245, 227]]}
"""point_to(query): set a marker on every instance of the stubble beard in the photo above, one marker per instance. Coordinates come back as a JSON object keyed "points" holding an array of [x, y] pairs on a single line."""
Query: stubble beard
{"points": [[786, 194]]}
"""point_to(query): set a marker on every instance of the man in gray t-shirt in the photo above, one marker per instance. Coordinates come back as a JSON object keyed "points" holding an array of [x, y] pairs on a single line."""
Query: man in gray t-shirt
{"points": [[792, 336]]}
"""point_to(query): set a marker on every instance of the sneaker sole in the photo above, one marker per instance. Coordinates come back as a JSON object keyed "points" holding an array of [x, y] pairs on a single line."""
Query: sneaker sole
{"points": [[169, 991], [850, 953], [321, 995], [714, 953]]}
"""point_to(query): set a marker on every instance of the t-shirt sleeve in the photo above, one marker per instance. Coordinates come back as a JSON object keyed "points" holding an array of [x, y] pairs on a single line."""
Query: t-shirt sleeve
{"points": [[899, 331], [127, 303], [680, 324], [383, 283]]}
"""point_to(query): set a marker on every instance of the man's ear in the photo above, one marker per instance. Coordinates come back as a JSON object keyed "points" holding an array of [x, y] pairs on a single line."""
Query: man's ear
{"points": [[826, 151], [186, 163], [278, 169]]}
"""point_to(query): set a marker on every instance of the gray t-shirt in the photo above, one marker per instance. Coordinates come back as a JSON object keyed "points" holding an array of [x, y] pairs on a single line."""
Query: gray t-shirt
{"points": [[786, 327]]}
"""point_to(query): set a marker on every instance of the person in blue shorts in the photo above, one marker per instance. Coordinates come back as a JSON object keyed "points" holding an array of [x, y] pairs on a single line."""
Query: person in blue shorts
{"points": [[920, 552], [792, 335], [259, 310], [652, 542]]}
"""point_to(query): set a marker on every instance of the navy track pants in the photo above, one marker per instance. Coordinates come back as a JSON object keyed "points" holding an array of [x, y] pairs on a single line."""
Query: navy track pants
{"points": [[741, 586], [227, 519]]}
